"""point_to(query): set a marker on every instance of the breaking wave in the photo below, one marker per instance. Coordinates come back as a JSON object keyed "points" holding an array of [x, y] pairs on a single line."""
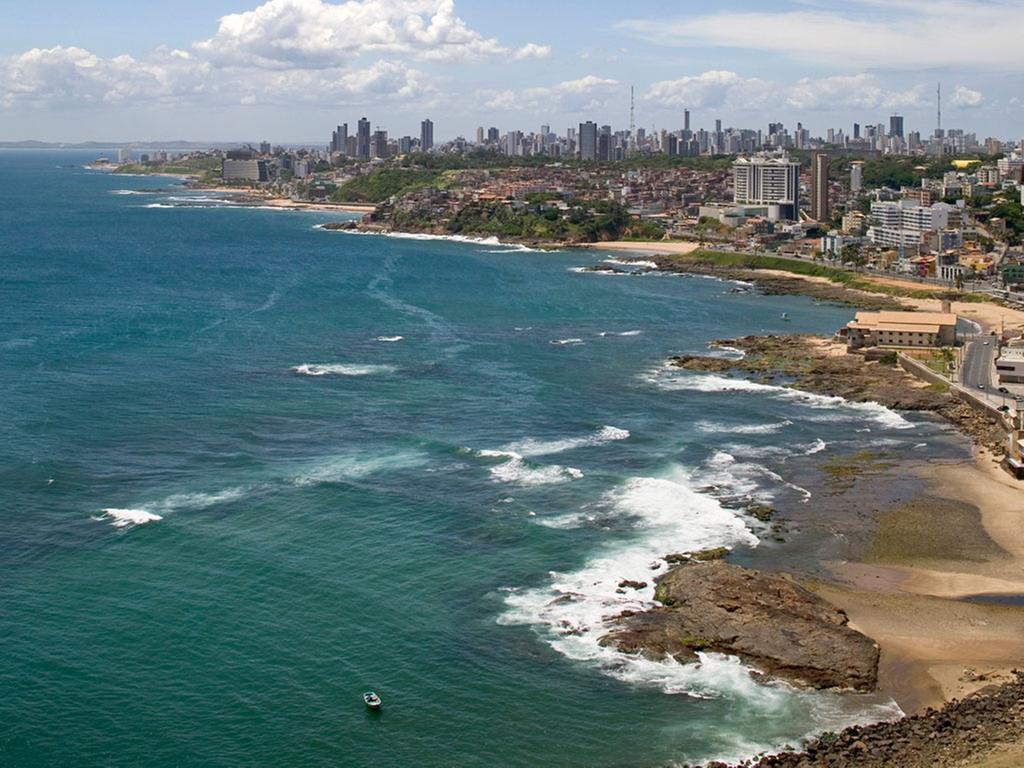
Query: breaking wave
{"points": [[341, 369]]}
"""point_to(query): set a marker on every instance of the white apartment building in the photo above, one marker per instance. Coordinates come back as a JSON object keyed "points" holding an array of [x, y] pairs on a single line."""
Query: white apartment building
{"points": [[240, 170], [901, 223], [771, 180]]}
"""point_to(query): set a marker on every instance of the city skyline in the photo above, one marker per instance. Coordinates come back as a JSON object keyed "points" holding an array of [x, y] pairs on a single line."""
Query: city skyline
{"points": [[234, 69]]}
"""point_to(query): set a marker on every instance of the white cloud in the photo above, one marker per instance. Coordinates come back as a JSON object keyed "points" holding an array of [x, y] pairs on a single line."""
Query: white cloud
{"points": [[729, 90], [283, 51], [966, 97], [313, 33], [899, 34], [51, 75], [586, 94]]}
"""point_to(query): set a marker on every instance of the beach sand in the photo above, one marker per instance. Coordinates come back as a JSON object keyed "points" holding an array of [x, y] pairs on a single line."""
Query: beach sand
{"points": [[964, 537], [644, 247]]}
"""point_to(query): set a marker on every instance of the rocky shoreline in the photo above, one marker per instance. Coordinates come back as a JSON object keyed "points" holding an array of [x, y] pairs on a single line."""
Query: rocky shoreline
{"points": [[805, 363], [989, 723], [767, 620]]}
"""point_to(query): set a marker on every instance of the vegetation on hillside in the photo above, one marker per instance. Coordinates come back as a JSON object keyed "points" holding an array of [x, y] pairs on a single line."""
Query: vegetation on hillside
{"points": [[381, 185], [584, 221]]}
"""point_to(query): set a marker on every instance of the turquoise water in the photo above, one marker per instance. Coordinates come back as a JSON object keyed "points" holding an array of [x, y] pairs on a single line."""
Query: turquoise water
{"points": [[231, 499]]}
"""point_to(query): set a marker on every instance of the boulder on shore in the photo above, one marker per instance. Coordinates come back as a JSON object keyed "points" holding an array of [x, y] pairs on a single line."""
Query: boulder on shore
{"points": [[768, 621]]}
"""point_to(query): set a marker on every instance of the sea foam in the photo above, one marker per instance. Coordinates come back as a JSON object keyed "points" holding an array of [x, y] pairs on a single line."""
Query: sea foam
{"points": [[573, 610], [341, 369]]}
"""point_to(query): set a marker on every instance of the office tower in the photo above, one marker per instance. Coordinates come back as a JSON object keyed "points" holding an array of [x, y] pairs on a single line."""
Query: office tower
{"points": [[426, 135], [671, 145], [379, 144], [856, 177], [493, 135], [363, 139], [856, 130], [769, 181], [481, 135], [588, 141], [896, 126], [819, 186], [686, 119], [264, 147], [339, 139], [405, 145], [718, 126]]}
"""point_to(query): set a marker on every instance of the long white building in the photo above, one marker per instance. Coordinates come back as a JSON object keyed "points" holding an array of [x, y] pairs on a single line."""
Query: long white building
{"points": [[901, 223], [770, 180]]}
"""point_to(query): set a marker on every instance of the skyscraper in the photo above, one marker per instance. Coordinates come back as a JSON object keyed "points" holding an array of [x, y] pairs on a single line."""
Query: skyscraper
{"points": [[339, 139], [896, 126], [686, 119], [856, 130], [481, 135], [363, 139], [819, 186], [426, 135], [379, 144], [588, 141]]}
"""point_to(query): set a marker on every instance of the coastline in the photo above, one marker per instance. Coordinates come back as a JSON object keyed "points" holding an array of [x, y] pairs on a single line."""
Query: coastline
{"points": [[937, 577]]}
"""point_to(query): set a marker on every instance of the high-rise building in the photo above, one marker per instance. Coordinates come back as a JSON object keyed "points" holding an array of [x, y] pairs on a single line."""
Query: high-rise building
{"points": [[363, 139], [264, 147], [481, 135], [686, 119], [718, 126], [819, 186], [426, 135], [856, 130], [588, 141], [339, 139], [379, 144], [770, 180], [896, 126], [856, 177]]}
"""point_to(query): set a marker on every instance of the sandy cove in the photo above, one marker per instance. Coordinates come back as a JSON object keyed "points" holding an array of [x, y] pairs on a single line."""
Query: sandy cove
{"points": [[963, 537]]}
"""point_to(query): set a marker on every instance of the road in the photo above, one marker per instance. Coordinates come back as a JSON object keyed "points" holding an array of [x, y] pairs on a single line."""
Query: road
{"points": [[979, 360]]}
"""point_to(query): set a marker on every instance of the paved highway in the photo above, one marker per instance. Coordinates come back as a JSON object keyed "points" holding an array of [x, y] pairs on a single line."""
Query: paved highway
{"points": [[979, 359]]}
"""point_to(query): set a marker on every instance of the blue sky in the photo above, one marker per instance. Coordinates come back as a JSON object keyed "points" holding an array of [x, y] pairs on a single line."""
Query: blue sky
{"points": [[287, 70]]}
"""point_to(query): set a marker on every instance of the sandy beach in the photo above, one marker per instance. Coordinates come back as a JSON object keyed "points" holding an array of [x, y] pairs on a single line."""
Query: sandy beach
{"points": [[963, 537], [644, 246]]}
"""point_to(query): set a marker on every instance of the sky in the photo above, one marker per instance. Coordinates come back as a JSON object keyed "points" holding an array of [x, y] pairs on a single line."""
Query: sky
{"points": [[289, 70]]}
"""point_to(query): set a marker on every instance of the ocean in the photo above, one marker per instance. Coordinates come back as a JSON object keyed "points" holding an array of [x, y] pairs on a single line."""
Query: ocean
{"points": [[251, 468]]}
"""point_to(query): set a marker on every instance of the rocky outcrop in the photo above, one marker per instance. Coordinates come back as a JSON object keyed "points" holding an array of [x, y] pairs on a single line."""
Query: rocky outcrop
{"points": [[990, 721], [802, 362], [769, 621]]}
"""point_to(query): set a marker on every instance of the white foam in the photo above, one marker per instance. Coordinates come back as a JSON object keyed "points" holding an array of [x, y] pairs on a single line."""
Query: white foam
{"points": [[515, 468], [341, 369], [711, 382], [390, 339], [631, 263], [715, 428], [465, 239], [817, 446], [129, 192], [160, 205], [151, 512], [591, 271], [531, 447], [567, 342], [620, 333], [355, 466], [573, 610], [724, 350], [123, 518]]}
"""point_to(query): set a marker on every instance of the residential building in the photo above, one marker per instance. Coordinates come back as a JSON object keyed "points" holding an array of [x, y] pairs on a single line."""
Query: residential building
{"points": [[901, 224], [588, 141], [426, 135], [819, 186], [856, 177], [771, 180]]}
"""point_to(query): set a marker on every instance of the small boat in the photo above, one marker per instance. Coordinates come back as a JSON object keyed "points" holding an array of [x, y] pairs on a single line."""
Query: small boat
{"points": [[372, 700], [785, 316]]}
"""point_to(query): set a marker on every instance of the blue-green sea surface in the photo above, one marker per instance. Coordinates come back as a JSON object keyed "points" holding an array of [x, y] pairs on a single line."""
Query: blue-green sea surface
{"points": [[250, 468]]}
